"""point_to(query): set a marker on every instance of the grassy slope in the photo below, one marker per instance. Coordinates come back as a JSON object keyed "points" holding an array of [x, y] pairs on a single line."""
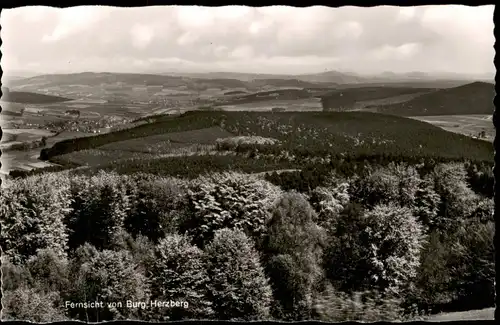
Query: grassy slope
{"points": [[353, 133], [473, 98], [31, 98]]}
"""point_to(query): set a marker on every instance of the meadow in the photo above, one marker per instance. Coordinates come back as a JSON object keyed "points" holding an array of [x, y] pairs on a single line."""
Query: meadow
{"points": [[470, 125]]}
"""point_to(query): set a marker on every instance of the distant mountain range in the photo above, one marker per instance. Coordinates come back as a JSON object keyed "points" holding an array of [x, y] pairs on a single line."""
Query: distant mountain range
{"points": [[248, 80], [343, 77]]}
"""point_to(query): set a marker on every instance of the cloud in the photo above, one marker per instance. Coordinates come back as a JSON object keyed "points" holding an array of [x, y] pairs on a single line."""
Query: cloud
{"points": [[267, 39], [73, 20], [142, 35], [404, 51]]}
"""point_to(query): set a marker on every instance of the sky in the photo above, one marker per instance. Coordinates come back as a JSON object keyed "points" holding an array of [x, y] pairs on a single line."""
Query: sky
{"points": [[277, 39]]}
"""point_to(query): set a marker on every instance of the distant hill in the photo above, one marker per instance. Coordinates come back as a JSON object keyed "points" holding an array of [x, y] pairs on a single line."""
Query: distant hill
{"points": [[355, 134], [473, 98], [228, 80], [346, 99], [291, 83], [279, 94], [31, 98], [235, 92]]}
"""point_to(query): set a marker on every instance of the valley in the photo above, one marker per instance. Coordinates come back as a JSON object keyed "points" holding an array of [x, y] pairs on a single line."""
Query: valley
{"points": [[41, 111]]}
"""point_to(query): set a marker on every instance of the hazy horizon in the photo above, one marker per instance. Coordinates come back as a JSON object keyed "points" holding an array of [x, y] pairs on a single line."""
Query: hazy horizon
{"points": [[440, 39]]}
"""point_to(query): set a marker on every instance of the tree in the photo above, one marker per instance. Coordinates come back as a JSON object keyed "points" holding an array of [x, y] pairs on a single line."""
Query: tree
{"points": [[238, 286], [396, 239], [179, 274], [328, 202], [100, 205], [426, 205], [458, 201], [473, 266], [345, 259], [49, 271], [32, 211], [228, 200], [107, 276], [293, 248], [157, 209]]}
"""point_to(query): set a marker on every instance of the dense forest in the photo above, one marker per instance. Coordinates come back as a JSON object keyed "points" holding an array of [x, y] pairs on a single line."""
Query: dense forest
{"points": [[366, 240]]}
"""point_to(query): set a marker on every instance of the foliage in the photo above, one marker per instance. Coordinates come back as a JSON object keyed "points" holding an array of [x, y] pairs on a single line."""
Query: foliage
{"points": [[293, 251], [100, 204], [228, 200], [336, 306], [158, 205], [473, 266], [397, 183], [32, 211], [179, 273], [395, 238], [238, 286], [107, 276], [28, 304], [328, 202], [345, 260], [49, 271], [457, 199]]}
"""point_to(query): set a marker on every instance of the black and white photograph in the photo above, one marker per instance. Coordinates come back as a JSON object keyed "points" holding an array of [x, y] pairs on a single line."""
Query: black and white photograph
{"points": [[279, 163]]}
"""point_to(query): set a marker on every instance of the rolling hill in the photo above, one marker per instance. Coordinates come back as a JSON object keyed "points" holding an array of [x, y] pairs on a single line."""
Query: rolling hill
{"points": [[472, 98], [346, 99], [227, 80], [312, 133], [31, 98]]}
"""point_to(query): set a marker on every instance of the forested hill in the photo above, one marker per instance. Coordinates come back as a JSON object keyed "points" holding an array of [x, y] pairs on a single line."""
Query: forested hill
{"points": [[473, 98], [31, 98]]}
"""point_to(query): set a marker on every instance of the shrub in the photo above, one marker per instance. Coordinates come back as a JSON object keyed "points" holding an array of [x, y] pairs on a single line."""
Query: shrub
{"points": [[336, 306], [179, 274], [28, 304], [14, 276], [238, 287]]}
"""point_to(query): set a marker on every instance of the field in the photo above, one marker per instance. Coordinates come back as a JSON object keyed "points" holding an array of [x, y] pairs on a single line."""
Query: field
{"points": [[470, 125]]}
